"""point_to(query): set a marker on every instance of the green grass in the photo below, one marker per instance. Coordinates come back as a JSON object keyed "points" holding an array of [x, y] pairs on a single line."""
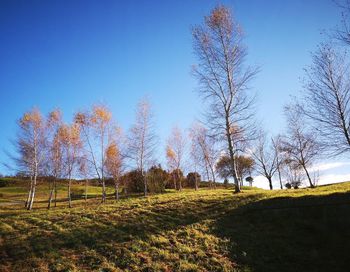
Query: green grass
{"points": [[208, 230]]}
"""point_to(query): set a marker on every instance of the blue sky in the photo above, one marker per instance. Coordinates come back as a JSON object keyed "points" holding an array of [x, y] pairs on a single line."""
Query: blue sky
{"points": [[71, 54]]}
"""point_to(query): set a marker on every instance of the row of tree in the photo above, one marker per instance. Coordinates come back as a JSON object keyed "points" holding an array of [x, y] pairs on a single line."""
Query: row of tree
{"points": [[94, 147]]}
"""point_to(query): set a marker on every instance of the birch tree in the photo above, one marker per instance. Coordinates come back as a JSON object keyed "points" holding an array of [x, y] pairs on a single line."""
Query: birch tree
{"points": [[266, 158], [175, 152], [69, 136], [300, 145], [55, 156], [327, 99], [96, 127], [280, 160], [114, 161], [206, 146], [31, 146], [224, 79], [142, 140]]}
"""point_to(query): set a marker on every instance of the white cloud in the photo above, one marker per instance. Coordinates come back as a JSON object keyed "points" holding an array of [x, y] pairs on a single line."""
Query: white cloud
{"points": [[328, 166], [333, 178]]}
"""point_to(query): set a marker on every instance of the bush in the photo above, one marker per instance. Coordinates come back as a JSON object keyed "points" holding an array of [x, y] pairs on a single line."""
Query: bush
{"points": [[4, 182], [156, 179], [133, 181], [191, 179]]}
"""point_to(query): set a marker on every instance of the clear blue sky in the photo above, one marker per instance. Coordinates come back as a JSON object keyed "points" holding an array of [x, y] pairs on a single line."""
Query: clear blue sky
{"points": [[71, 54]]}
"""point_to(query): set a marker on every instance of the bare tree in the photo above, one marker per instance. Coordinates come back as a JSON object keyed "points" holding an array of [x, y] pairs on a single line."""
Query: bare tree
{"points": [[266, 158], [31, 147], [114, 161], [280, 160], [301, 146], [327, 99], [208, 153], [84, 171], [342, 32], [55, 156], [96, 127], [142, 139], [224, 78], [69, 136], [175, 152], [196, 153]]}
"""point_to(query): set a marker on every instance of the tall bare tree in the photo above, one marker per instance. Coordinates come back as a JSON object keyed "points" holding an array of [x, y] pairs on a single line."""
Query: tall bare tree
{"points": [[175, 152], [266, 158], [224, 78], [301, 146], [327, 99], [142, 139]]}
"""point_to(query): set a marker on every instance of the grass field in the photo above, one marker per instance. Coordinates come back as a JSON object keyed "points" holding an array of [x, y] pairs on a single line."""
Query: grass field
{"points": [[207, 230]]}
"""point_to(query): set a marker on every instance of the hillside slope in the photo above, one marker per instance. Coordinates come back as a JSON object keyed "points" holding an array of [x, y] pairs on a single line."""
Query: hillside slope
{"points": [[208, 230]]}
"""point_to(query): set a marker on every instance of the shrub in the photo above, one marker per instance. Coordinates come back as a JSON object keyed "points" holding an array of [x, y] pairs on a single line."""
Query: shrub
{"points": [[157, 179]]}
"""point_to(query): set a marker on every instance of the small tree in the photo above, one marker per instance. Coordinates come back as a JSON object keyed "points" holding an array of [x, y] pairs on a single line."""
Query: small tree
{"points": [[142, 140], [114, 163], [301, 147], [280, 160], [175, 151], [266, 159], [193, 180], [31, 148], [204, 148], [96, 127], [69, 136], [249, 180], [157, 178], [54, 152], [245, 166]]}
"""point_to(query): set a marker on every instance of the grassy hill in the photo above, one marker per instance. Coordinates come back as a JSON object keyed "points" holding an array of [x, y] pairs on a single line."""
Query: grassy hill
{"points": [[207, 230]]}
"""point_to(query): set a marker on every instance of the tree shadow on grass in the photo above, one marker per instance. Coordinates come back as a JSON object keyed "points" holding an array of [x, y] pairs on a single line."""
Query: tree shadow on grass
{"points": [[310, 233], [109, 232]]}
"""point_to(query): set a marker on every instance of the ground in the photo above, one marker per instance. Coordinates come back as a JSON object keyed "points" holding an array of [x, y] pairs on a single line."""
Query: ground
{"points": [[207, 230]]}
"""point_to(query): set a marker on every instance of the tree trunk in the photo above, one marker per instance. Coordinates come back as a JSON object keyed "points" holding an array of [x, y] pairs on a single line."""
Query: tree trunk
{"points": [[270, 183], [196, 183], [178, 176], [174, 178], [32, 195], [308, 177], [103, 191], [232, 156], [69, 194], [279, 177], [55, 188], [116, 184], [213, 176], [29, 192], [51, 195], [145, 183], [86, 181]]}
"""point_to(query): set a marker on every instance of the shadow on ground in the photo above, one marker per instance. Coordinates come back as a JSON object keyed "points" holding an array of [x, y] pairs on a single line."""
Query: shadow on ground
{"points": [[310, 233]]}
